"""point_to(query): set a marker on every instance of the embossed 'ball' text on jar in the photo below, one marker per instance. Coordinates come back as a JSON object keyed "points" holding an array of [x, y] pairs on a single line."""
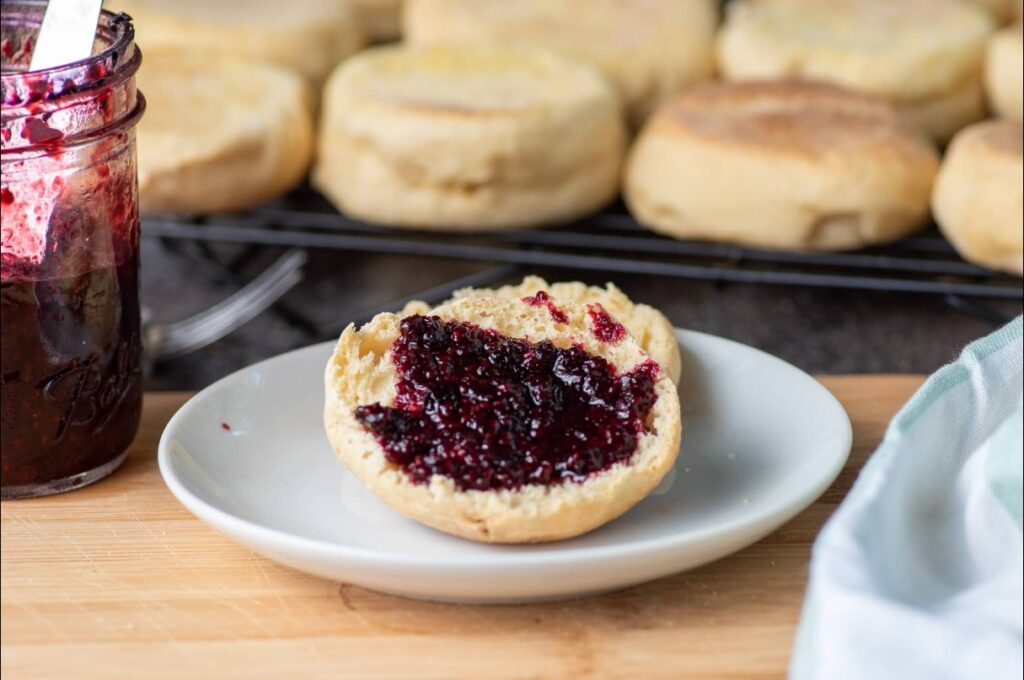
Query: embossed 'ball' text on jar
{"points": [[70, 345]]}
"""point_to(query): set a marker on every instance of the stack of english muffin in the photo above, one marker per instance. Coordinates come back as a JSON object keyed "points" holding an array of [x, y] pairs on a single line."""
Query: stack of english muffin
{"points": [[772, 123]]}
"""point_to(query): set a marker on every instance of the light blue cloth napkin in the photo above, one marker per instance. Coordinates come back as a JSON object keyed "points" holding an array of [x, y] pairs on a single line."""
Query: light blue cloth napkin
{"points": [[919, 573]]}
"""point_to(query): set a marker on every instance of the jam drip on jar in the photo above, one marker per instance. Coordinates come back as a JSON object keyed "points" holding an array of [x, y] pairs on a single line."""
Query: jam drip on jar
{"points": [[492, 412]]}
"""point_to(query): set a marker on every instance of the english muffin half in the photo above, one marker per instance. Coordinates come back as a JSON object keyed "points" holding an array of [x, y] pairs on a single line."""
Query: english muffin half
{"points": [[491, 420]]}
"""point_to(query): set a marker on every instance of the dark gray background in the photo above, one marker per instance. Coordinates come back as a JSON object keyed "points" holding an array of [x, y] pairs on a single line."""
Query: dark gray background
{"points": [[819, 330]]}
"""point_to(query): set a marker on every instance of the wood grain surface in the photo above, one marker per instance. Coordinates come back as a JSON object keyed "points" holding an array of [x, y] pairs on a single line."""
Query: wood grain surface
{"points": [[119, 581]]}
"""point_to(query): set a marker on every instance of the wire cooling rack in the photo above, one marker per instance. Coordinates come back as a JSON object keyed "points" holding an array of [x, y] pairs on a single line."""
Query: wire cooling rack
{"points": [[609, 241]]}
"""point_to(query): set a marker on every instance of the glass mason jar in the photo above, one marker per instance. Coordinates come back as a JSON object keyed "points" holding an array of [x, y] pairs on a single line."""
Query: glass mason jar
{"points": [[70, 344]]}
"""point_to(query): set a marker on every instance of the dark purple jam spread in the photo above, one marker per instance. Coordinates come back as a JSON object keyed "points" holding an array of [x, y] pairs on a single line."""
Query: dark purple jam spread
{"points": [[70, 375], [542, 299], [605, 327], [493, 412]]}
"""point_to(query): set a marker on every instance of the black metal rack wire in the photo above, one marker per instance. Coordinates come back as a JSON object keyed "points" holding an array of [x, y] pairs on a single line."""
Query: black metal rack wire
{"points": [[610, 241]]}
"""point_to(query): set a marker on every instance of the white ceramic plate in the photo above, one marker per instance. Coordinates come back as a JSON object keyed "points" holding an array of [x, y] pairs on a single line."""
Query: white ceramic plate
{"points": [[761, 441]]}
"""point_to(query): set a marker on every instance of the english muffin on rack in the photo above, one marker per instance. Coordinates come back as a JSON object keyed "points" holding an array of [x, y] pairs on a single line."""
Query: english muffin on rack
{"points": [[1004, 72], [794, 165], [220, 133], [493, 420], [467, 137], [924, 56], [940, 117], [647, 325], [306, 36], [979, 195], [381, 20], [1002, 11], [649, 50]]}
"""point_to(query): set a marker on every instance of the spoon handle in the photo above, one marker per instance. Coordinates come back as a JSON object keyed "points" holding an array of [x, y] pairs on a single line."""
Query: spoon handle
{"points": [[67, 33]]}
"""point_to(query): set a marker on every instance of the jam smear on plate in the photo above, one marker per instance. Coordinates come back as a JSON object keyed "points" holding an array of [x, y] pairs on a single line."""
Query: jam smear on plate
{"points": [[492, 412]]}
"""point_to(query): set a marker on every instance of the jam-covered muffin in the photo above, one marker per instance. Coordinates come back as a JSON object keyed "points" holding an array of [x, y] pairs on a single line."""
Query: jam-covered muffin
{"points": [[502, 420]]}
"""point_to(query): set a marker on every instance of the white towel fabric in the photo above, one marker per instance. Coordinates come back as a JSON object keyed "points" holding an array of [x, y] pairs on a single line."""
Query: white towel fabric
{"points": [[919, 573]]}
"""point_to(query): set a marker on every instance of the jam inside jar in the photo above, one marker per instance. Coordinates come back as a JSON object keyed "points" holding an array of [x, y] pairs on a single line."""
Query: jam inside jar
{"points": [[70, 339]]}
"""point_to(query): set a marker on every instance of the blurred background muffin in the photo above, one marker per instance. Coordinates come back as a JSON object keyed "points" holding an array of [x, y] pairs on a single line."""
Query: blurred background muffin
{"points": [[463, 137], [979, 195], [649, 49], [221, 133], [306, 36], [1002, 11], [924, 56], [795, 165], [1004, 72], [381, 20]]}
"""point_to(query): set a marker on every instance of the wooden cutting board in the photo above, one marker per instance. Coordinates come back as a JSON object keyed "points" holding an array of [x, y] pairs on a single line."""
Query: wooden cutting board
{"points": [[120, 581]]}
